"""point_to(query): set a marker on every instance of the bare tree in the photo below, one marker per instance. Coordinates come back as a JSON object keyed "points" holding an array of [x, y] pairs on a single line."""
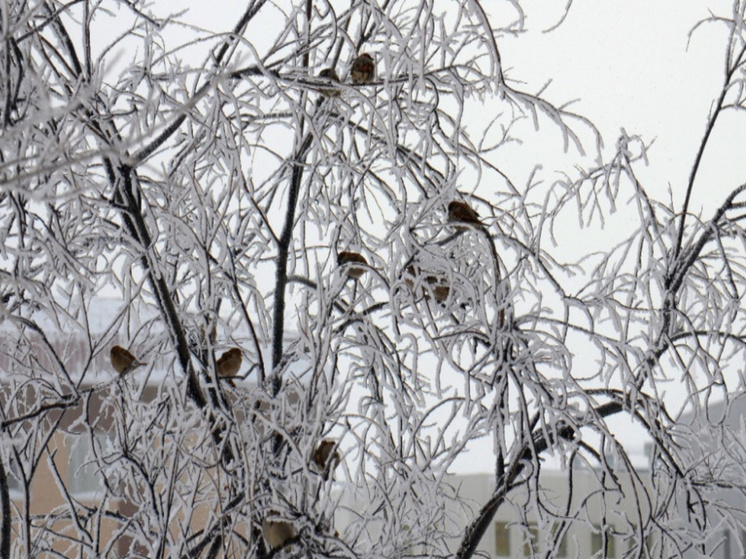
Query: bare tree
{"points": [[396, 298]]}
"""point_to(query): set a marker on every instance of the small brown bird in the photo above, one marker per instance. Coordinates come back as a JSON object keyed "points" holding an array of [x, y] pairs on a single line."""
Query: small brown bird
{"points": [[436, 284], [123, 361], [228, 365], [347, 257], [331, 75], [409, 276], [323, 458], [363, 69], [277, 532], [460, 212], [440, 290]]}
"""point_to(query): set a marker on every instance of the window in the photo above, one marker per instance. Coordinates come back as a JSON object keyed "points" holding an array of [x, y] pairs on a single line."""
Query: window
{"points": [[562, 549], [530, 546], [597, 542], [649, 448], [562, 546], [502, 539], [650, 544], [12, 474], [410, 548]]}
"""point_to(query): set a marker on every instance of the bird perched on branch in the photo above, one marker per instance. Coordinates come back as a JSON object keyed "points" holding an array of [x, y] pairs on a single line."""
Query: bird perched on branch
{"points": [[331, 75], [123, 361], [438, 285], [323, 458], [277, 532], [228, 365], [363, 69], [346, 257], [460, 212], [440, 290]]}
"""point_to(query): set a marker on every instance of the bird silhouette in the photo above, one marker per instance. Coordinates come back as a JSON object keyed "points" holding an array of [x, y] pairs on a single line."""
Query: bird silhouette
{"points": [[363, 69], [228, 365], [346, 257], [323, 458], [440, 291], [436, 284], [460, 212], [277, 532], [123, 361], [331, 75]]}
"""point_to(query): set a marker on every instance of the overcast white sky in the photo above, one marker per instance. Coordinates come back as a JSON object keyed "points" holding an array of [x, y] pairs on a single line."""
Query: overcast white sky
{"points": [[632, 64]]}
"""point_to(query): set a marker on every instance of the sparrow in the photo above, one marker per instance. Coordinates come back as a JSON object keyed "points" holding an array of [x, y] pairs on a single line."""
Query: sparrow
{"points": [[460, 212], [437, 285], [331, 75], [323, 458], [440, 291], [123, 361], [346, 257], [228, 365], [409, 276], [277, 532], [363, 69]]}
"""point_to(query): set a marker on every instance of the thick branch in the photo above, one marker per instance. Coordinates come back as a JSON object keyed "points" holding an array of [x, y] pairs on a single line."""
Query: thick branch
{"points": [[283, 251], [135, 223], [5, 511], [475, 532]]}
